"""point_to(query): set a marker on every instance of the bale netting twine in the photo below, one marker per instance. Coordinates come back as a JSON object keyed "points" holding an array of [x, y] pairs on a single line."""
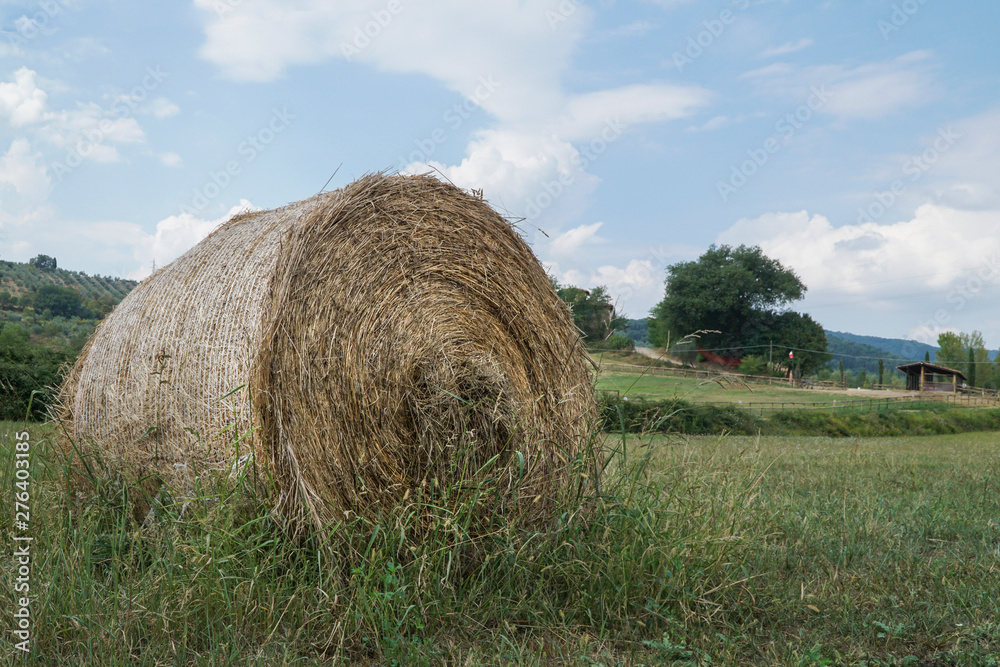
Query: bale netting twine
{"points": [[357, 346]]}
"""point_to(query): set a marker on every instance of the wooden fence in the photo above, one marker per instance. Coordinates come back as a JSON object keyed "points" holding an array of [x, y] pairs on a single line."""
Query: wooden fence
{"points": [[973, 397]]}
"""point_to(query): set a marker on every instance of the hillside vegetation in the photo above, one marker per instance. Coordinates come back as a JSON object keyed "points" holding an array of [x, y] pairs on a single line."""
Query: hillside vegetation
{"points": [[896, 348], [857, 356], [19, 282], [46, 316]]}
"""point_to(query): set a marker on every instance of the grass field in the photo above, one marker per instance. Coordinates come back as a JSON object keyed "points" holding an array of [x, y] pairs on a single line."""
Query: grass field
{"points": [[877, 551], [696, 551], [703, 390], [728, 389]]}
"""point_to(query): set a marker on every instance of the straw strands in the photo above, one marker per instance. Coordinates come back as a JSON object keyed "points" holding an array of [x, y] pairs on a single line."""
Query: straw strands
{"points": [[373, 340]]}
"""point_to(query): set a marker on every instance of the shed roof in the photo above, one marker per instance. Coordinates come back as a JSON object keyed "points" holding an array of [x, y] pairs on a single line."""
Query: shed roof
{"points": [[933, 368]]}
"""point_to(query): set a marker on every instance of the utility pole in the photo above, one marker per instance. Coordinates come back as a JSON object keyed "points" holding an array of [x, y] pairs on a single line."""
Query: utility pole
{"points": [[770, 349]]}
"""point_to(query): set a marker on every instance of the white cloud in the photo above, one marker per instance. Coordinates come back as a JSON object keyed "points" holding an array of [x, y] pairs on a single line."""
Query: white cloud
{"points": [[161, 107], [171, 159], [21, 169], [588, 114], [526, 162], [713, 123], [569, 242], [866, 91], [91, 126], [21, 100], [457, 42], [896, 275], [86, 132], [526, 174], [786, 48]]}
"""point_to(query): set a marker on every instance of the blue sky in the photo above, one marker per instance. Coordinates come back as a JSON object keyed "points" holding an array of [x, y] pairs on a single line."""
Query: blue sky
{"points": [[857, 142]]}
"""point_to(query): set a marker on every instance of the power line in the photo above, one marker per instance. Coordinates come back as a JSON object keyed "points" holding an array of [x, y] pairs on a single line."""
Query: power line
{"points": [[835, 354]]}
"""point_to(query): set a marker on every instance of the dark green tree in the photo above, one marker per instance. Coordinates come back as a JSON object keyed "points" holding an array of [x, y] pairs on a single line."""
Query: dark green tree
{"points": [[43, 262], [60, 301], [881, 372], [739, 292], [972, 367]]}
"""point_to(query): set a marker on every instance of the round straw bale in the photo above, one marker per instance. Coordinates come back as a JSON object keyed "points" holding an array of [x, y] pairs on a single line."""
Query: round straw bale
{"points": [[392, 334]]}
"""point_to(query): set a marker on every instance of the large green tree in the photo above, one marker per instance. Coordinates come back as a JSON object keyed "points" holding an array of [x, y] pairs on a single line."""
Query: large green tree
{"points": [[739, 292], [43, 262], [966, 352]]}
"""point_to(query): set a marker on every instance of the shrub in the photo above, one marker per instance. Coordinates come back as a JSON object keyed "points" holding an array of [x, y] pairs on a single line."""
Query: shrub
{"points": [[754, 364], [614, 342]]}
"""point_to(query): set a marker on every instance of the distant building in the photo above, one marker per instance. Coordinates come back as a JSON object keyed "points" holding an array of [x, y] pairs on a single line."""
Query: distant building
{"points": [[925, 376]]}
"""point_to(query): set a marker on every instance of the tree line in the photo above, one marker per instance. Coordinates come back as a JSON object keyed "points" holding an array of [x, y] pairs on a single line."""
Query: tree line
{"points": [[730, 303], [967, 352]]}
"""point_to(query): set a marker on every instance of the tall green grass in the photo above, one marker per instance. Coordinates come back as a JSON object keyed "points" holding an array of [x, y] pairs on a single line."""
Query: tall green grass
{"points": [[794, 551], [623, 571]]}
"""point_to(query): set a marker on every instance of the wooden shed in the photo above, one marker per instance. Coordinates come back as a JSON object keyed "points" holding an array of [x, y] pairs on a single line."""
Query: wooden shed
{"points": [[925, 376]]}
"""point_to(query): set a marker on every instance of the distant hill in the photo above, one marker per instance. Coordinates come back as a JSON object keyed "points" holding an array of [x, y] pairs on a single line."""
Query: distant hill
{"points": [[909, 350], [20, 279], [856, 351], [859, 356]]}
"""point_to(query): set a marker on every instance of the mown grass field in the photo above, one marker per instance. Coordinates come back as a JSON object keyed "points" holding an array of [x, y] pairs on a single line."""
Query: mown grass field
{"points": [[694, 551], [727, 388], [695, 390]]}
